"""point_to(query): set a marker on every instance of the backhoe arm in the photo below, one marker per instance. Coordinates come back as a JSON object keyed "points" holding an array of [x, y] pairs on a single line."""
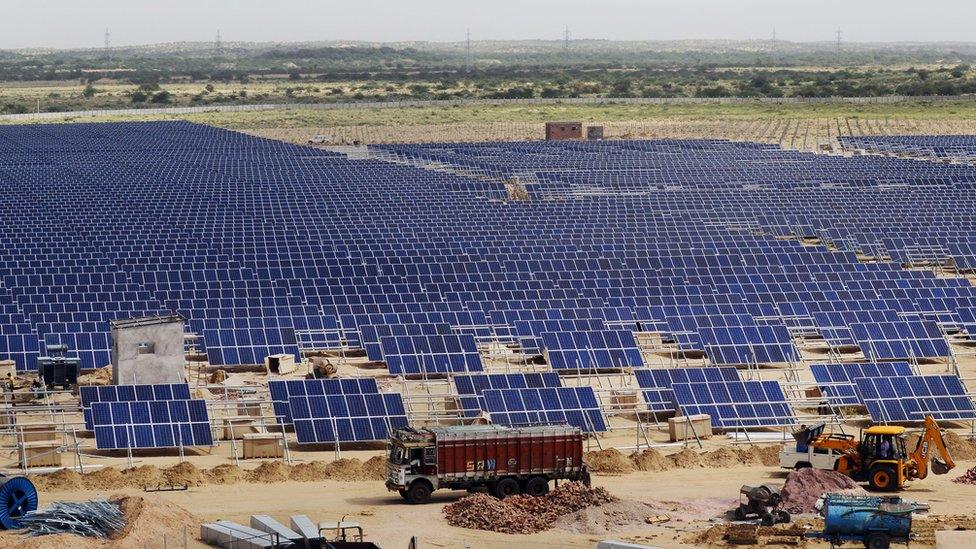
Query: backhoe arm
{"points": [[931, 438]]}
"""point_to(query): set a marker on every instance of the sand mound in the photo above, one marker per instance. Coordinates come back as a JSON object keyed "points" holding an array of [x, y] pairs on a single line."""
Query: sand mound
{"points": [[347, 470], [224, 474], [650, 460], [144, 475], [108, 478], [523, 514], [612, 517], [63, 479], [269, 471], [804, 487], [723, 457], [183, 473], [375, 468], [685, 459], [609, 461], [309, 472]]}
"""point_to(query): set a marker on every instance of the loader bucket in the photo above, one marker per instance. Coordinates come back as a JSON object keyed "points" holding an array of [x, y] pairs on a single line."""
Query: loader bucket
{"points": [[939, 467]]}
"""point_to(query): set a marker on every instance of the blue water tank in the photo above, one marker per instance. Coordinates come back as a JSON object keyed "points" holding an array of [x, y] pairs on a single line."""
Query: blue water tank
{"points": [[858, 516]]}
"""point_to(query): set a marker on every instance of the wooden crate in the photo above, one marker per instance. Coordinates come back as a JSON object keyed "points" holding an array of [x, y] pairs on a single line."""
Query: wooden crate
{"points": [[40, 454], [235, 427], [679, 429], [263, 445], [37, 432]]}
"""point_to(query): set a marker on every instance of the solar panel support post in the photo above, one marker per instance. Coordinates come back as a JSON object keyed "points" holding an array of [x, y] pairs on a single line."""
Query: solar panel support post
{"points": [[78, 461], [129, 433], [284, 440]]}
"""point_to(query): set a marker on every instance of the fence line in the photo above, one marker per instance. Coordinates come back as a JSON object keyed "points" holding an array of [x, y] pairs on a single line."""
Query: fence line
{"points": [[487, 102]]}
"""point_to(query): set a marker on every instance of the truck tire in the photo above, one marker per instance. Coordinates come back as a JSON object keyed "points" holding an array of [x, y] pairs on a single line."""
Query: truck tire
{"points": [[506, 487], [537, 487], [419, 492], [404, 494], [883, 478], [767, 519], [877, 540], [802, 465]]}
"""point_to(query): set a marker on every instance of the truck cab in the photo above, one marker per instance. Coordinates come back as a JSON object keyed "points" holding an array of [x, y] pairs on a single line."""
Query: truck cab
{"points": [[412, 464]]}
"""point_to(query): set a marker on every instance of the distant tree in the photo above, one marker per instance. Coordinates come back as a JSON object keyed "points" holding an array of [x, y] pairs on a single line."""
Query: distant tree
{"points": [[959, 71], [162, 97], [89, 91], [209, 88], [294, 75], [139, 96]]}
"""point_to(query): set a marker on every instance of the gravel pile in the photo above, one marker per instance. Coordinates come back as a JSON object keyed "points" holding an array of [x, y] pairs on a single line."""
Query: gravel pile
{"points": [[523, 514]]}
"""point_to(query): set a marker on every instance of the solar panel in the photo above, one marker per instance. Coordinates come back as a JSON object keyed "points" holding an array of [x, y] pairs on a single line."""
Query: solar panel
{"points": [[282, 390], [656, 384], [837, 380], [748, 344], [153, 424], [431, 354], [576, 406], [471, 387], [592, 350], [347, 417], [736, 404], [129, 393], [911, 398], [900, 340]]}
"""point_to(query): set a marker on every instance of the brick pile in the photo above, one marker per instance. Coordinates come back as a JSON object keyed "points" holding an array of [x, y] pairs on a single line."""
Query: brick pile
{"points": [[523, 514], [969, 477]]}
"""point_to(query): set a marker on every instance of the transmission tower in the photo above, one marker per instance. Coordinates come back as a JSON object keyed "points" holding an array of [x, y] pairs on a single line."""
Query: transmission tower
{"points": [[772, 46], [218, 45], [108, 43], [839, 36], [467, 50]]}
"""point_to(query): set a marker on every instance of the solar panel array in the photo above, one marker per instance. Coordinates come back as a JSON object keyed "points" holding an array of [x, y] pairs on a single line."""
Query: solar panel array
{"points": [[418, 267], [911, 398], [471, 387], [837, 380], [576, 406], [283, 390], [152, 424], [90, 394]]}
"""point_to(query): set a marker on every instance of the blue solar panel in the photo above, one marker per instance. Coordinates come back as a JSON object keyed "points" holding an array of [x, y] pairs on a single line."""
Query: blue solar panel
{"points": [[591, 350], [346, 417], [129, 393], [911, 398], [736, 404], [900, 340], [656, 384], [576, 406], [471, 387], [837, 380], [152, 424], [431, 354], [282, 390]]}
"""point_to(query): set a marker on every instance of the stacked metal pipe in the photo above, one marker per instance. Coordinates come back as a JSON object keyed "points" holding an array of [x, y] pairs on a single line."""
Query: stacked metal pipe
{"points": [[96, 519]]}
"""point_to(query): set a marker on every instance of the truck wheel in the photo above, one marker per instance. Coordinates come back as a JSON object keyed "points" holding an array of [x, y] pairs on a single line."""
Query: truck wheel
{"points": [[802, 465], [537, 486], [419, 492], [404, 494], [767, 519], [783, 517], [877, 540], [506, 487], [883, 478]]}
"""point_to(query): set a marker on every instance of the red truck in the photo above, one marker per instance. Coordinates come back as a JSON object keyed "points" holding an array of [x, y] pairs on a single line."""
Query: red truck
{"points": [[505, 461]]}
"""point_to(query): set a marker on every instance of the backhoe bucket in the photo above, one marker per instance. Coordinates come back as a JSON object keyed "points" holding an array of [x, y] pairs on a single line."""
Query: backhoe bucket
{"points": [[939, 467]]}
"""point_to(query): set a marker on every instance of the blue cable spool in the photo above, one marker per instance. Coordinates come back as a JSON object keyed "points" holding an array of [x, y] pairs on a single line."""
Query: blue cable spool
{"points": [[18, 496]]}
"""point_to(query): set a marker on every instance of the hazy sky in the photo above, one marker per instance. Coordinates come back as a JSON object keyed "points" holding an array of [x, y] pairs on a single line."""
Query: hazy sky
{"points": [[82, 23]]}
